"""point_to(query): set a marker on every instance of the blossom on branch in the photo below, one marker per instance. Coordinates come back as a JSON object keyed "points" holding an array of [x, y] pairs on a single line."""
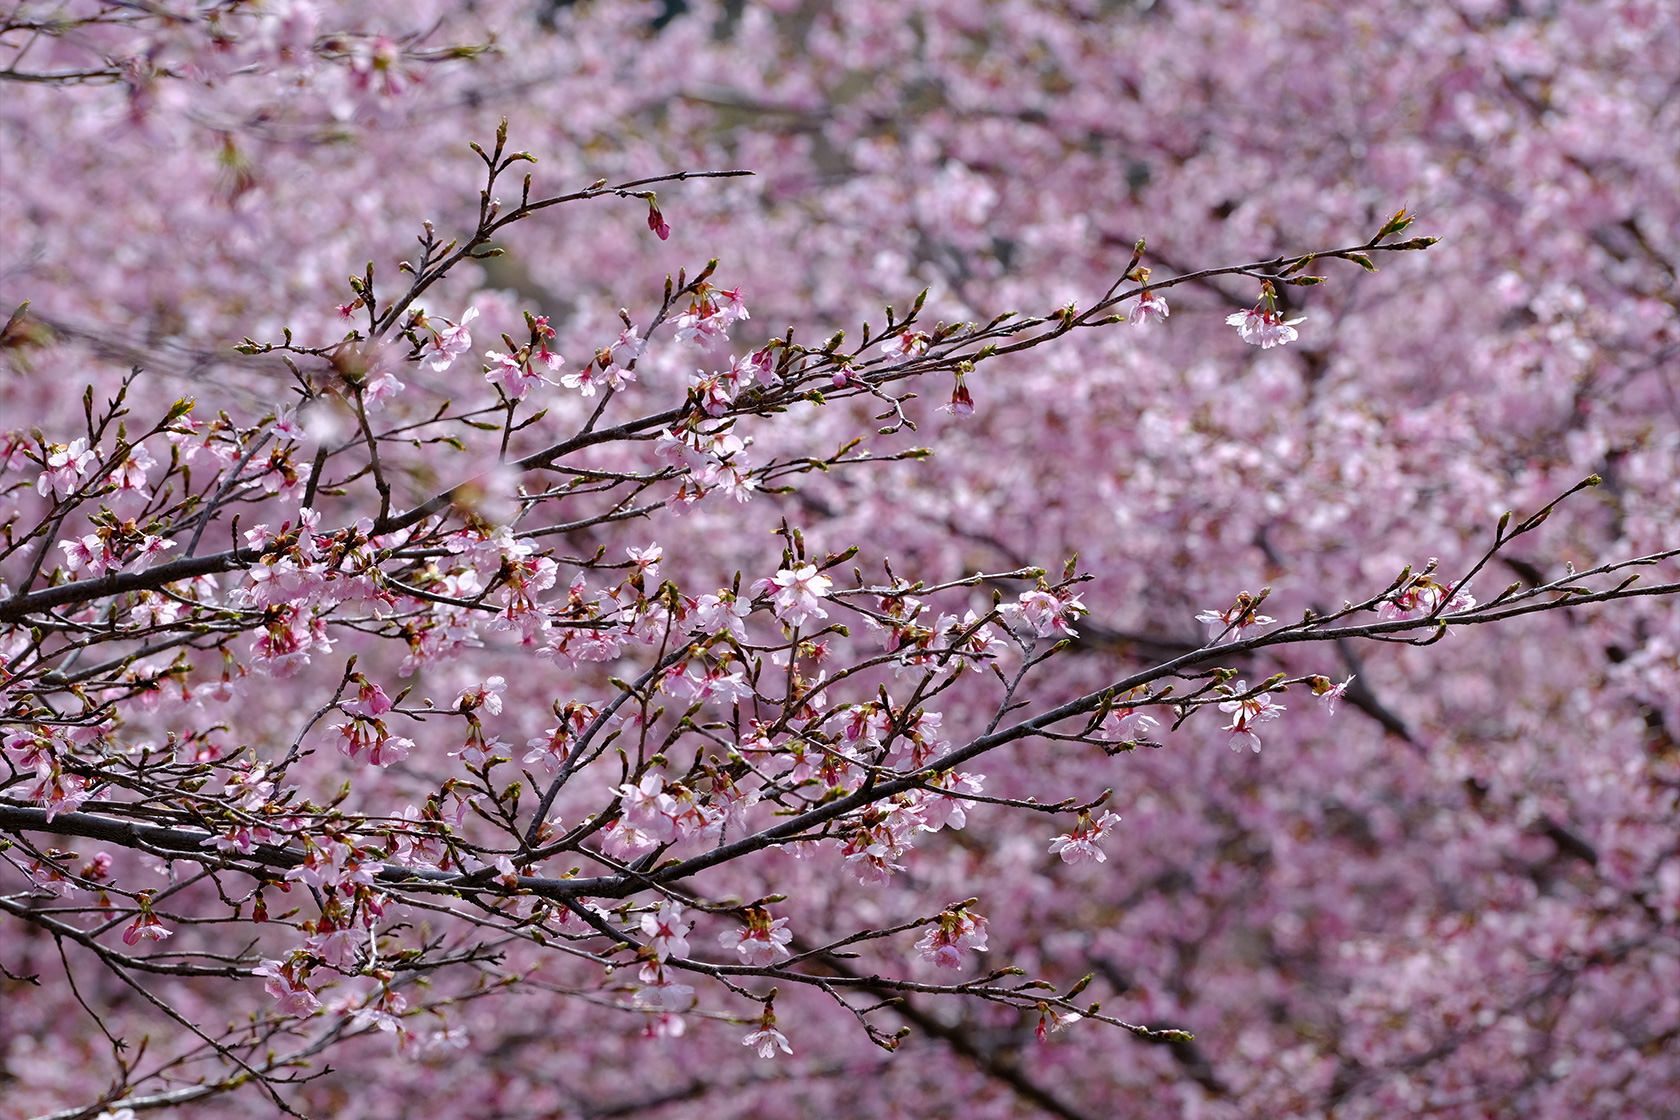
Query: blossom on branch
{"points": [[763, 942], [767, 1039], [1080, 845], [956, 932], [286, 983], [1261, 325], [796, 592], [667, 935], [1246, 711], [453, 341]]}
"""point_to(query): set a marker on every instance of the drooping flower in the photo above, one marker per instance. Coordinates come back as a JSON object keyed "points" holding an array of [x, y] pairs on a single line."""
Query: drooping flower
{"points": [[1246, 712], [1080, 845], [145, 927], [1261, 325], [962, 402], [767, 1038], [1052, 1019], [1149, 305]]}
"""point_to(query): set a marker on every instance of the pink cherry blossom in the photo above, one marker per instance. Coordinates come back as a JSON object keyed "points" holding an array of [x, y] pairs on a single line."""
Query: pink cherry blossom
{"points": [[291, 992], [765, 1040], [1080, 845], [57, 791], [1261, 325], [67, 465], [453, 341], [86, 554], [486, 697], [151, 550], [1230, 625], [763, 942], [665, 931], [1330, 693], [1469, 874], [962, 402], [796, 593], [1149, 305], [1264, 327], [905, 345], [379, 388], [130, 475], [1245, 713], [956, 932], [514, 376]]}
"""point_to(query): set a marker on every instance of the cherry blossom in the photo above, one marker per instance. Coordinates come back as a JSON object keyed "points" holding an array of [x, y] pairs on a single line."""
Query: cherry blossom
{"points": [[181, 647], [1149, 305], [289, 990], [1080, 845], [1046, 612], [512, 375], [764, 940], [1261, 325], [1264, 327], [767, 1039], [1230, 624], [666, 934], [962, 402], [1246, 711], [905, 345], [56, 790], [956, 932], [796, 593], [453, 341], [1329, 692], [145, 927], [657, 223], [66, 466], [487, 697], [130, 475], [87, 554]]}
